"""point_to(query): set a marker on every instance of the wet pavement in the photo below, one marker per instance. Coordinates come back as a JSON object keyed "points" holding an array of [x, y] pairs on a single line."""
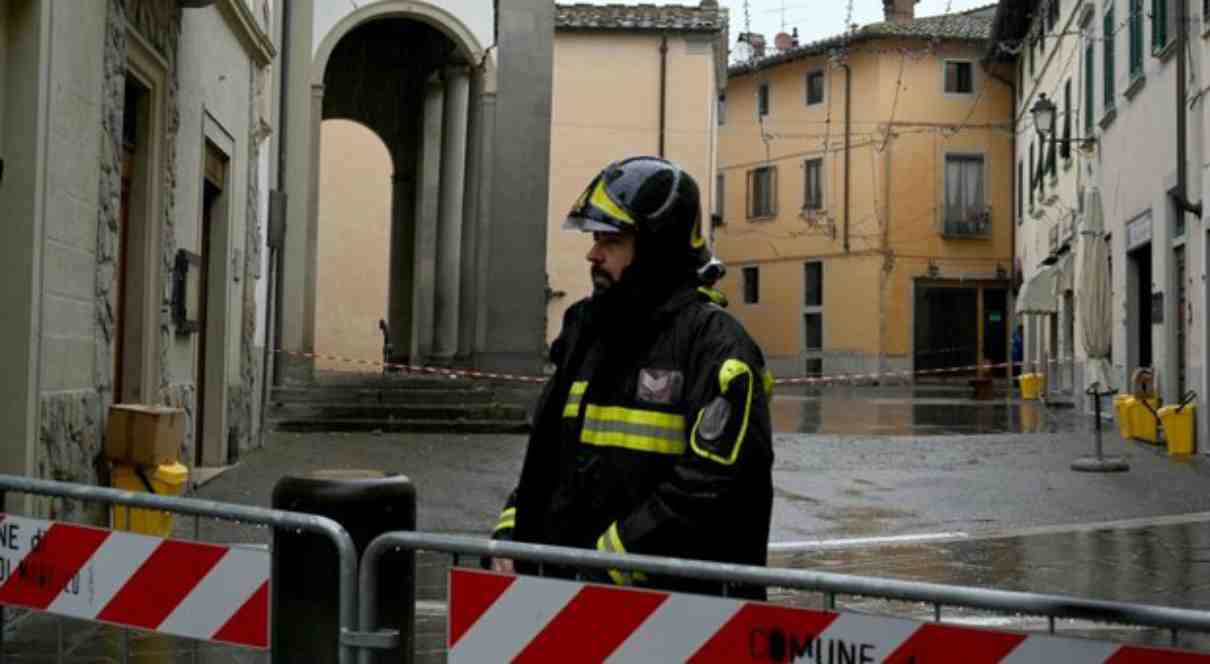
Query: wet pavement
{"points": [[982, 490]]}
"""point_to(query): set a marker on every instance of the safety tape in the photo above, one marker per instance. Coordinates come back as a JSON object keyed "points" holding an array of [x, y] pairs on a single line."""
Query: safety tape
{"points": [[487, 375]]}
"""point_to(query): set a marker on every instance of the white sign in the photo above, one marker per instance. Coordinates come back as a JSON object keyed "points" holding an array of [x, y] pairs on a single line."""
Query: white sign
{"points": [[1138, 232]]}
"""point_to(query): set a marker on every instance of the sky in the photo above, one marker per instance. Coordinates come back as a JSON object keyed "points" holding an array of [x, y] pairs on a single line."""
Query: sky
{"points": [[815, 19]]}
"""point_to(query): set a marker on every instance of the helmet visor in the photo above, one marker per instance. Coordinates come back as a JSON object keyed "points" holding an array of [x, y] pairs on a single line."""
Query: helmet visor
{"points": [[596, 211]]}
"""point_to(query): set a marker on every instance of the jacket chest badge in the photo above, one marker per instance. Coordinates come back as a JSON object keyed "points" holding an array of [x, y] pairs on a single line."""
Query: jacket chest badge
{"points": [[662, 386]]}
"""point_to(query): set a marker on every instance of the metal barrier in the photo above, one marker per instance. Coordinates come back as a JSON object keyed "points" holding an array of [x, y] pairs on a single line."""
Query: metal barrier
{"points": [[346, 552], [831, 584]]}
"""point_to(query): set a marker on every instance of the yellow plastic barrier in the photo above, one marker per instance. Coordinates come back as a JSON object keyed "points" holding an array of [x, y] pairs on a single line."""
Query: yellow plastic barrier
{"points": [[1031, 385], [1122, 404], [1178, 428], [166, 480], [1143, 424]]}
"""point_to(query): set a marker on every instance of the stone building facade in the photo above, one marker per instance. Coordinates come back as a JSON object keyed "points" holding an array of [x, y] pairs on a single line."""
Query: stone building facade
{"points": [[132, 135]]}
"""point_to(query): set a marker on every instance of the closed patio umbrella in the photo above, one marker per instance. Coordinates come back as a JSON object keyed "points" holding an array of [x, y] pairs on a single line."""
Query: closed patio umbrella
{"points": [[1094, 300], [1096, 318]]}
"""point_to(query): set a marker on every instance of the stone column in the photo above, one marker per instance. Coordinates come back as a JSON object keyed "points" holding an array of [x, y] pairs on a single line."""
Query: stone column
{"points": [[403, 246], [449, 228], [470, 218], [428, 187]]}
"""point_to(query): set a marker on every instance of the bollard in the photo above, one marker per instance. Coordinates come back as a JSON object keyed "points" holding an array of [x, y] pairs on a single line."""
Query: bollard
{"points": [[304, 590]]}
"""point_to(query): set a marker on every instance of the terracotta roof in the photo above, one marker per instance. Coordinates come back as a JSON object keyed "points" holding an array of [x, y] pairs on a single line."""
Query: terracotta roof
{"points": [[972, 25], [706, 18]]}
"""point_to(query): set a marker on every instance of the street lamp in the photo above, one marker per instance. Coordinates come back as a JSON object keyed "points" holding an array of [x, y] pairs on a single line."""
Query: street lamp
{"points": [[1043, 111]]}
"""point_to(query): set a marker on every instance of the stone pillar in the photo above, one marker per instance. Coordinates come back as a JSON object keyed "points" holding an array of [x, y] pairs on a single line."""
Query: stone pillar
{"points": [[470, 219], [483, 218], [428, 188], [403, 247], [449, 228]]}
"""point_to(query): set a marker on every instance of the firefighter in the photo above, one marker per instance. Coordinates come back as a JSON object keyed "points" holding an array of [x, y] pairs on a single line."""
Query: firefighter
{"points": [[653, 434]]}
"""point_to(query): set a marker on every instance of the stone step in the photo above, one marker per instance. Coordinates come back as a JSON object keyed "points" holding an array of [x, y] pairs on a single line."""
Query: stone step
{"points": [[361, 395], [395, 411], [403, 426]]}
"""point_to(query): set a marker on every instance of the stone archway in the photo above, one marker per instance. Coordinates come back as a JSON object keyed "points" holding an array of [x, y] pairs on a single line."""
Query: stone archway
{"points": [[418, 78]]}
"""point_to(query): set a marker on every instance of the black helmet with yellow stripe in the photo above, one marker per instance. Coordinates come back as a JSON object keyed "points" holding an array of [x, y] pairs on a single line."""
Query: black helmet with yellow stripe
{"points": [[655, 199]]}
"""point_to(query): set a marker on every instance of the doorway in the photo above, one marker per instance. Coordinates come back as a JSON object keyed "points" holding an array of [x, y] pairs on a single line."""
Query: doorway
{"points": [[210, 361], [946, 334], [995, 325], [1140, 264]]}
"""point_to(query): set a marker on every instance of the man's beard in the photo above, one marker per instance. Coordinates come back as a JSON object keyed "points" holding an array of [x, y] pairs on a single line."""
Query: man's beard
{"points": [[601, 281]]}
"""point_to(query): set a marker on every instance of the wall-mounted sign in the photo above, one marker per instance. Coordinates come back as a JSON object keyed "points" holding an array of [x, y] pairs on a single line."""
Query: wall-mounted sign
{"points": [[1138, 232]]}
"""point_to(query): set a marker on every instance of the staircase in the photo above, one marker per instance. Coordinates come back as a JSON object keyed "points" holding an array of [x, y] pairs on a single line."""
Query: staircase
{"points": [[397, 404]]}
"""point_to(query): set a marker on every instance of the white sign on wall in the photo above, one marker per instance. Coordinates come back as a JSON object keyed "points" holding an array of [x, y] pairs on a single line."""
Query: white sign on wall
{"points": [[1138, 232]]}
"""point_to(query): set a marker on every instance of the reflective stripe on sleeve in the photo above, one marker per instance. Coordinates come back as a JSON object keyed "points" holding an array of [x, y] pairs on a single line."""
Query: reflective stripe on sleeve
{"points": [[633, 429], [572, 408], [508, 519], [611, 542]]}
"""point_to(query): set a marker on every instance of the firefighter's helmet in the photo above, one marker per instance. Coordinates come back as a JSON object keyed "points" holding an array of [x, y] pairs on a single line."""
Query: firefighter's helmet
{"points": [[652, 197]]}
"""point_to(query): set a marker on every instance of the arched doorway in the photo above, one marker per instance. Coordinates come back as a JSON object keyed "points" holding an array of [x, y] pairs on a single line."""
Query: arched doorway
{"points": [[354, 245]]}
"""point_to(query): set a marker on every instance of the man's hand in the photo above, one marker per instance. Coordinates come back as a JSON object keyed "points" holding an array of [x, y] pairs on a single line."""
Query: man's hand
{"points": [[503, 565]]}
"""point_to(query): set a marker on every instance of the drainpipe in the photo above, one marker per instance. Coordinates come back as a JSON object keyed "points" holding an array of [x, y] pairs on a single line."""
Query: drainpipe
{"points": [[848, 108], [272, 292], [1179, 194], [663, 89], [1011, 314]]}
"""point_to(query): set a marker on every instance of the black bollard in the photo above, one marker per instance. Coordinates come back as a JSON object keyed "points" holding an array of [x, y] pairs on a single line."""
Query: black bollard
{"points": [[305, 609]]}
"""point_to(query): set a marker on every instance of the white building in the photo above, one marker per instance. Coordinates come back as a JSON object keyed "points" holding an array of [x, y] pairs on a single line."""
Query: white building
{"points": [[1111, 67]]}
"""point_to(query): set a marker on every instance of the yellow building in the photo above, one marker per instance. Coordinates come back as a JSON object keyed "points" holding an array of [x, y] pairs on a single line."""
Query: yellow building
{"points": [[628, 80], [866, 197]]}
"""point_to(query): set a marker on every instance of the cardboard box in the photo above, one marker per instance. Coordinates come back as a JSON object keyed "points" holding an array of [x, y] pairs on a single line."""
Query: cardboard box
{"points": [[144, 435]]}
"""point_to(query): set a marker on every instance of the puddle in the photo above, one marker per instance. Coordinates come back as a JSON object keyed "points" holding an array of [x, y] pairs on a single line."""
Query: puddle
{"points": [[928, 416]]}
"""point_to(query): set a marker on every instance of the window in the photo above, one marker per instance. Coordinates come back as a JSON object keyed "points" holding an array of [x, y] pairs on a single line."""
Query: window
{"points": [[722, 110], [762, 192], [1163, 28], [1065, 150], [1107, 43], [812, 277], [1089, 87], [1052, 14], [1136, 38], [1031, 175], [720, 197], [812, 328], [965, 211], [813, 194], [751, 276], [762, 100], [812, 311], [1033, 48], [959, 77], [1020, 192], [815, 85]]}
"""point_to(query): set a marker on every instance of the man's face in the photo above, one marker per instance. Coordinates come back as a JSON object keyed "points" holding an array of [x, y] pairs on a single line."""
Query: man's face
{"points": [[609, 256]]}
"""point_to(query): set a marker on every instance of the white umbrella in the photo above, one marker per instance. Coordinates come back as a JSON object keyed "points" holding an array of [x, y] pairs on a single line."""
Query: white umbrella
{"points": [[1095, 301]]}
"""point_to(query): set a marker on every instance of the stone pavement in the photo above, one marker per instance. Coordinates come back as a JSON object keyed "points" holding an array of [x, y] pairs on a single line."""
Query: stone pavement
{"points": [[1008, 498]]}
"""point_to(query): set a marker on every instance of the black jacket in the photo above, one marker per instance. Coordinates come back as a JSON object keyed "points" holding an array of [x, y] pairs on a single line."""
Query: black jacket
{"points": [[652, 437]]}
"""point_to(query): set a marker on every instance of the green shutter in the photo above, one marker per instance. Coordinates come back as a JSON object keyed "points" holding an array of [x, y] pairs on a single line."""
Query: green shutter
{"points": [[1109, 69], [1136, 38], [1089, 94], [1159, 24]]}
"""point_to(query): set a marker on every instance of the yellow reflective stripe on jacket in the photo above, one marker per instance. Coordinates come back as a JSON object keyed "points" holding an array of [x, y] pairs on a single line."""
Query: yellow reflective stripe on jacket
{"points": [[508, 519], [634, 429], [572, 408], [768, 383], [731, 370], [611, 542]]}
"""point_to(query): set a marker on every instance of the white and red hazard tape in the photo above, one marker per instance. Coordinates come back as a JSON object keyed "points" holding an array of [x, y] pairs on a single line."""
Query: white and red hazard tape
{"points": [[487, 375], [190, 589], [498, 618]]}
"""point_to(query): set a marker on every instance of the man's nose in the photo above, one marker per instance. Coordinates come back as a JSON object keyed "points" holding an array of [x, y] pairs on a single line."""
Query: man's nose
{"points": [[594, 254]]}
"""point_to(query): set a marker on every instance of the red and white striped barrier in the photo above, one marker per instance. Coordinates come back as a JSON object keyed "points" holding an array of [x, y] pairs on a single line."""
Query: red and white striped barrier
{"points": [[190, 589], [498, 618], [518, 378]]}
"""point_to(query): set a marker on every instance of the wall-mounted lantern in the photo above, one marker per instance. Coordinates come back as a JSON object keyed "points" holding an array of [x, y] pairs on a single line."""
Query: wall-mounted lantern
{"points": [[187, 292]]}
